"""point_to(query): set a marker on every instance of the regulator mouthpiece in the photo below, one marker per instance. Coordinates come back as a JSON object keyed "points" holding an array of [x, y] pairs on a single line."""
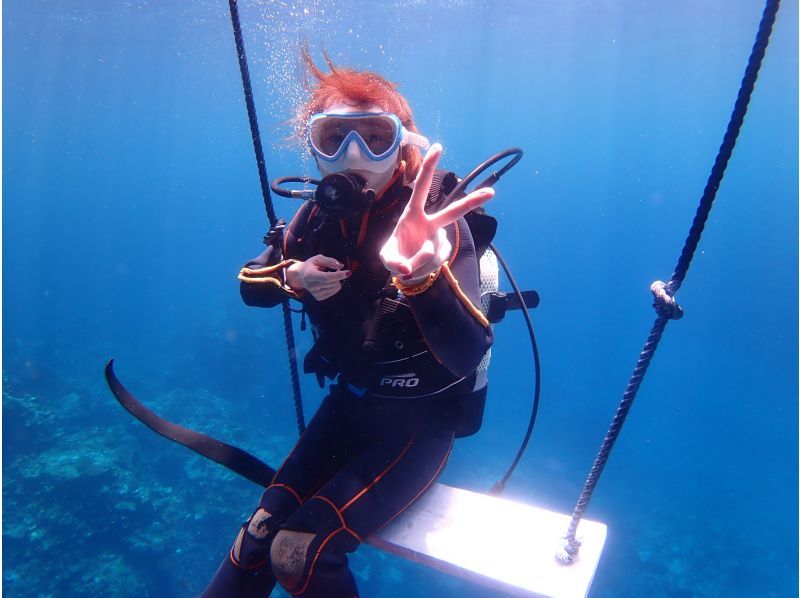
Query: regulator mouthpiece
{"points": [[343, 194]]}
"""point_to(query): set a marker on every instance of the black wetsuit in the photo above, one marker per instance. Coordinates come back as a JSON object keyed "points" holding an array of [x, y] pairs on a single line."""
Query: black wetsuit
{"points": [[405, 387]]}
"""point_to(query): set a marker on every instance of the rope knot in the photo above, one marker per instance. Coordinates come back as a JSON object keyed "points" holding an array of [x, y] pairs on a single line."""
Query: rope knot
{"points": [[567, 551], [664, 302]]}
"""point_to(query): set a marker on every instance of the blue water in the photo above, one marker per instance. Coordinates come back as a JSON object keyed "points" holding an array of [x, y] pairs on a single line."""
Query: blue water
{"points": [[130, 200]]}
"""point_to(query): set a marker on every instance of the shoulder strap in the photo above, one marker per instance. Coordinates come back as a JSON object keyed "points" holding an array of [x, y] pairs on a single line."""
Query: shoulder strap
{"points": [[443, 182], [482, 226]]}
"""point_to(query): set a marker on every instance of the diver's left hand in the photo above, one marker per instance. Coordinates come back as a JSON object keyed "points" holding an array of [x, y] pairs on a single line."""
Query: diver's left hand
{"points": [[419, 245]]}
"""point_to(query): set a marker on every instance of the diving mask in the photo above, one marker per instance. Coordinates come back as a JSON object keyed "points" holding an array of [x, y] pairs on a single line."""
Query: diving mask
{"points": [[378, 136]]}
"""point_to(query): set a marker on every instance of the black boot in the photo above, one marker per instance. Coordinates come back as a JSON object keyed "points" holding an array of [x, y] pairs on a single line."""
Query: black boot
{"points": [[246, 571]]}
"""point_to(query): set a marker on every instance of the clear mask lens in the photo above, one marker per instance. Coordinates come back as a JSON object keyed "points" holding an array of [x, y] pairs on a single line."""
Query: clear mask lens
{"points": [[377, 134]]}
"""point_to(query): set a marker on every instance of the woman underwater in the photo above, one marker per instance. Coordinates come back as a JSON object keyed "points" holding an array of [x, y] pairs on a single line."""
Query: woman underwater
{"points": [[389, 279]]}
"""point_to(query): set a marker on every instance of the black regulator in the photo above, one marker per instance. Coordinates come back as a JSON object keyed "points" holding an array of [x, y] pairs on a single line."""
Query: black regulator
{"points": [[340, 195]]}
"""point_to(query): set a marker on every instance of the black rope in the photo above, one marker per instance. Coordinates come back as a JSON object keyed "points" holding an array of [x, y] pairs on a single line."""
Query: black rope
{"points": [[664, 303], [263, 178], [728, 142], [251, 112], [293, 372]]}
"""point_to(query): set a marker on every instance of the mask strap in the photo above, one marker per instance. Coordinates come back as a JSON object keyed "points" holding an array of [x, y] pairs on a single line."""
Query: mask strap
{"points": [[411, 138]]}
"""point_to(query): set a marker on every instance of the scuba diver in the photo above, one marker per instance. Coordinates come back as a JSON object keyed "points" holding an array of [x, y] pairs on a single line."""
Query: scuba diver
{"points": [[386, 268]]}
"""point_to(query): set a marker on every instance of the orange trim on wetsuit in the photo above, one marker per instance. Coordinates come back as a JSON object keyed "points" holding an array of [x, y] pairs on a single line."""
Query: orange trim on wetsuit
{"points": [[340, 512], [451, 280], [377, 478], [454, 329]]}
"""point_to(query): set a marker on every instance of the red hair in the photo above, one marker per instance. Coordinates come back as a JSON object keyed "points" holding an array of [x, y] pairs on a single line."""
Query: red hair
{"points": [[357, 88]]}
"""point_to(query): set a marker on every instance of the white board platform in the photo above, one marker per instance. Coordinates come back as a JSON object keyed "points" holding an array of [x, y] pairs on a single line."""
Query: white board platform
{"points": [[495, 542]]}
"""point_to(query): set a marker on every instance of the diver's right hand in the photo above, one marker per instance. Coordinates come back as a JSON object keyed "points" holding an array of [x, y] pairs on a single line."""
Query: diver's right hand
{"points": [[321, 276]]}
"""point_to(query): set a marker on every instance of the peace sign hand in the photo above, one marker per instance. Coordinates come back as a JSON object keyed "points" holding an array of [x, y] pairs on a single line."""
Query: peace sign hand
{"points": [[419, 245]]}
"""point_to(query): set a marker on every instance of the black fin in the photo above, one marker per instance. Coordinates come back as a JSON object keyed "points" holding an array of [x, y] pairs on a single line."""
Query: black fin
{"points": [[233, 458]]}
